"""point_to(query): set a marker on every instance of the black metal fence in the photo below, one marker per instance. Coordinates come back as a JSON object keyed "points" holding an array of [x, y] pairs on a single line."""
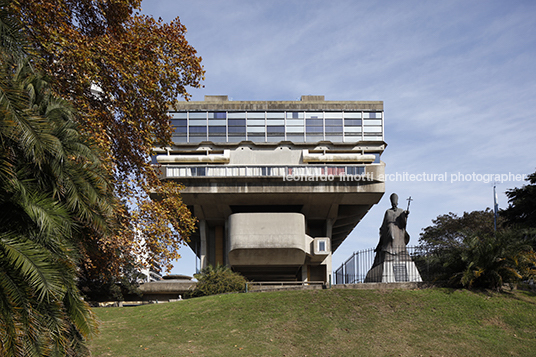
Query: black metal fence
{"points": [[407, 264]]}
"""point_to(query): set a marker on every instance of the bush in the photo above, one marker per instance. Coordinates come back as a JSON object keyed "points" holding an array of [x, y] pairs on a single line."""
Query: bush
{"points": [[219, 280], [484, 261]]}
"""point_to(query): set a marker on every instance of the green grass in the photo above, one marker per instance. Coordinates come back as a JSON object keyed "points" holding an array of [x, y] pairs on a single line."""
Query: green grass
{"points": [[429, 322]]}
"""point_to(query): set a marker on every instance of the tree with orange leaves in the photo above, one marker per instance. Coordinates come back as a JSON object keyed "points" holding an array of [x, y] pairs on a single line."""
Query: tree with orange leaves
{"points": [[121, 70]]}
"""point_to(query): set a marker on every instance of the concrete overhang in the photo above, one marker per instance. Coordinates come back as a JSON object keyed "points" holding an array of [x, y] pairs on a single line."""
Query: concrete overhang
{"points": [[259, 239], [167, 287], [309, 157], [207, 158]]}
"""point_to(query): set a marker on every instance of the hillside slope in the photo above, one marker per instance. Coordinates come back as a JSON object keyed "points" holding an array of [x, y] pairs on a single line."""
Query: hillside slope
{"points": [[429, 322]]}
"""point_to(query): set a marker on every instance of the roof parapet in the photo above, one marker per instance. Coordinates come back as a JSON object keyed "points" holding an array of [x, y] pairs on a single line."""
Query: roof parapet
{"points": [[312, 98], [216, 98]]}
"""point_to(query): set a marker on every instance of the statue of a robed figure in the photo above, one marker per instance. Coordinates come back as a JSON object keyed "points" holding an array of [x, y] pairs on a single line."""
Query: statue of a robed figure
{"points": [[392, 262]]}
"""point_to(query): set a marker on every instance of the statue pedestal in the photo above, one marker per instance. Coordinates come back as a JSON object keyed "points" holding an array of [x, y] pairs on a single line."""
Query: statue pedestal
{"points": [[393, 268]]}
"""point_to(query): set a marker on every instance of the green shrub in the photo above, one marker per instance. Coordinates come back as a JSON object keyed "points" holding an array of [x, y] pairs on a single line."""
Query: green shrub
{"points": [[219, 280]]}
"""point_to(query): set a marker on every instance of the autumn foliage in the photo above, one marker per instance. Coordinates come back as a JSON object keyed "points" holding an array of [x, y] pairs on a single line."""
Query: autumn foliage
{"points": [[121, 70]]}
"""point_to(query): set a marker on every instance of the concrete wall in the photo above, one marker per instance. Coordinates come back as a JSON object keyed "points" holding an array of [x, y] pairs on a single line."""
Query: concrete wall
{"points": [[268, 239]]}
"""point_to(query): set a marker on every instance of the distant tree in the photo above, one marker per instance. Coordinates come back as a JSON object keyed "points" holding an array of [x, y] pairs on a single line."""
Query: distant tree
{"points": [[466, 251], [521, 211], [450, 230], [101, 288], [122, 71]]}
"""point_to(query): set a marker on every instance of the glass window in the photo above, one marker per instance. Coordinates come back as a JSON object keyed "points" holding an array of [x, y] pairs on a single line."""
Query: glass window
{"points": [[373, 129], [294, 115], [198, 129], [352, 115], [199, 171], [294, 129], [197, 115], [275, 129], [255, 129], [197, 139], [275, 138], [217, 122], [314, 115], [278, 115], [318, 122], [236, 115], [295, 138], [216, 129], [178, 122], [372, 115], [236, 138], [352, 129], [352, 139], [315, 129], [314, 138], [331, 122], [255, 122], [275, 122], [178, 115], [179, 139], [372, 122], [256, 115], [256, 138], [198, 122], [180, 129], [237, 129], [237, 122], [352, 122], [332, 115], [321, 245], [217, 115], [333, 129], [334, 138], [295, 122]]}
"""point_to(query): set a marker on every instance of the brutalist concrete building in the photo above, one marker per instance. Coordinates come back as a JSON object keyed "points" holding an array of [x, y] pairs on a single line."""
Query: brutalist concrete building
{"points": [[276, 185]]}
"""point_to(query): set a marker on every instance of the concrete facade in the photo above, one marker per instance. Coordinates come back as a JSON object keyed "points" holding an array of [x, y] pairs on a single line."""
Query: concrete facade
{"points": [[276, 185]]}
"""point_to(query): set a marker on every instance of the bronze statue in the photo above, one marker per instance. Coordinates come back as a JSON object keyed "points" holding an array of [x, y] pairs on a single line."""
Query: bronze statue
{"points": [[393, 234], [392, 262]]}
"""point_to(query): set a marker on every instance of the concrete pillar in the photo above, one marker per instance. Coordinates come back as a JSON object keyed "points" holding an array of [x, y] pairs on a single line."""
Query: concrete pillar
{"points": [[327, 261], [329, 271], [304, 273], [218, 245], [329, 227], [227, 244], [203, 249]]}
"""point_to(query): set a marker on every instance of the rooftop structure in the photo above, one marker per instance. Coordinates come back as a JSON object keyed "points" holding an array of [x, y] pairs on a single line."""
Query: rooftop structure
{"points": [[276, 185]]}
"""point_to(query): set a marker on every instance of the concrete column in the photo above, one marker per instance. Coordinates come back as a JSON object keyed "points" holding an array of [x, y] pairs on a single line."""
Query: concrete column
{"points": [[203, 248], [218, 245], [329, 227], [327, 261], [329, 269], [305, 273], [227, 244]]}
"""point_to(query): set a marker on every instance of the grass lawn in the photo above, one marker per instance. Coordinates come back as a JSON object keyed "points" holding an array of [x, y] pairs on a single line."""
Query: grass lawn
{"points": [[428, 322]]}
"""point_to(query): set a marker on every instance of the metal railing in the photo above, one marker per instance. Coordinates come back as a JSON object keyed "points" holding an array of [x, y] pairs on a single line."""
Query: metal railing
{"points": [[355, 269]]}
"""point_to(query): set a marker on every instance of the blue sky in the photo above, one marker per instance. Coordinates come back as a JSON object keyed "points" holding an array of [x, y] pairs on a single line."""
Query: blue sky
{"points": [[457, 78]]}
